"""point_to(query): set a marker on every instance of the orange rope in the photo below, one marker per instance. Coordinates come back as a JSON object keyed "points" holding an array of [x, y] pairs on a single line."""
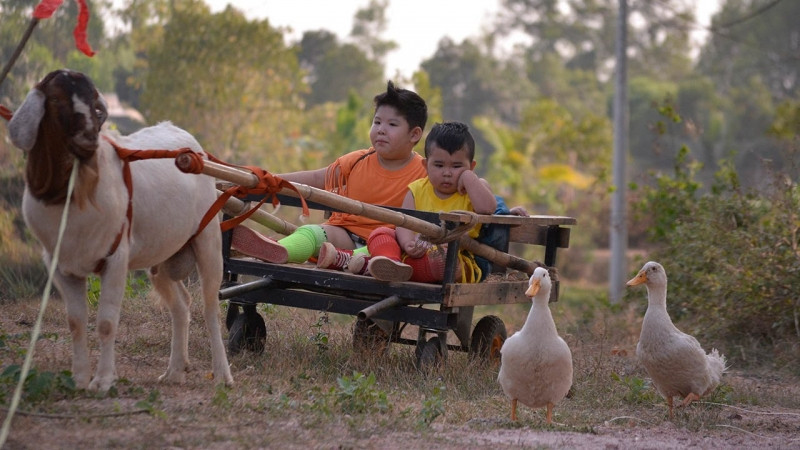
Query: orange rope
{"points": [[268, 184], [5, 113]]}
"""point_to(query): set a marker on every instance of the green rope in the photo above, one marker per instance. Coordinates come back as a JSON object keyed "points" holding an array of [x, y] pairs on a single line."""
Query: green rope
{"points": [[45, 298]]}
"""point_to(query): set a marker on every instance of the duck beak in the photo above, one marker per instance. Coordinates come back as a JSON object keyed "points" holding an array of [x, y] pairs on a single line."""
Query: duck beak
{"points": [[640, 278], [533, 289]]}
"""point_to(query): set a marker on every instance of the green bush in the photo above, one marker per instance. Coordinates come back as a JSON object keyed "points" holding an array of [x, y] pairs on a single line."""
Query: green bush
{"points": [[732, 258]]}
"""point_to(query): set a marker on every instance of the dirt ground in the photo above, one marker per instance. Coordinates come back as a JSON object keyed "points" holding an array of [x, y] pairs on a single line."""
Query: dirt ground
{"points": [[778, 428], [261, 410]]}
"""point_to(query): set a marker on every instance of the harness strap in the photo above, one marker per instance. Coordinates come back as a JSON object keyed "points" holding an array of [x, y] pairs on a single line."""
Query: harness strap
{"points": [[128, 155], [5, 113], [268, 186]]}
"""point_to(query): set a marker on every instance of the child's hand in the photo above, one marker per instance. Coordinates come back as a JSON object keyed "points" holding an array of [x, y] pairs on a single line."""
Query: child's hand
{"points": [[519, 211], [466, 177], [417, 248]]}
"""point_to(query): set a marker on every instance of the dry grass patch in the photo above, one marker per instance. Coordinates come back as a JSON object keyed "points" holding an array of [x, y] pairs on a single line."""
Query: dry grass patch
{"points": [[310, 389]]}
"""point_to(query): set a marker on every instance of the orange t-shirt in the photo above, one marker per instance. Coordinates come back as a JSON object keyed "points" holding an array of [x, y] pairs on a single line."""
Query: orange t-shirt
{"points": [[361, 177]]}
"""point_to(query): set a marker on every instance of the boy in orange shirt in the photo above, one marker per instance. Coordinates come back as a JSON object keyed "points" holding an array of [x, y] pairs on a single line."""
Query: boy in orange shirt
{"points": [[378, 175]]}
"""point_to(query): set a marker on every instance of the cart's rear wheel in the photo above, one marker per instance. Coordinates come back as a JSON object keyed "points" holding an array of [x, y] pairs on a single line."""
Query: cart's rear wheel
{"points": [[247, 331], [430, 354], [369, 338], [488, 337]]}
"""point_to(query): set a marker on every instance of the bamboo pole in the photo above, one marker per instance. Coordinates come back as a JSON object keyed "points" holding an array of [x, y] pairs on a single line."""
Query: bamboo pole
{"points": [[247, 179], [235, 207]]}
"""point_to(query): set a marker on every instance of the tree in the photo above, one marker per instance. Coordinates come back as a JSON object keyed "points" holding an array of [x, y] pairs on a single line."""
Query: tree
{"points": [[550, 157], [754, 39], [50, 46], [368, 25], [582, 33], [334, 69], [231, 82]]}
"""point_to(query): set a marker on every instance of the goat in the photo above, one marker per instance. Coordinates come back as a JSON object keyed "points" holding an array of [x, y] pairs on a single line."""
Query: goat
{"points": [[60, 120]]}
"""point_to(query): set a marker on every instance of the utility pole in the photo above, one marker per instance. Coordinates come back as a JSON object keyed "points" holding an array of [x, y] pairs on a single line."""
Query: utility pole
{"points": [[619, 232]]}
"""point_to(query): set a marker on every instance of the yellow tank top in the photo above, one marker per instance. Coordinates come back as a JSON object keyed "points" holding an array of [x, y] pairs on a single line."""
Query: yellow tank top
{"points": [[425, 199]]}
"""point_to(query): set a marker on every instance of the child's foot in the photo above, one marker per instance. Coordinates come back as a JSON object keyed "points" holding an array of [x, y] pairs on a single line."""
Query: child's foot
{"points": [[254, 244], [386, 269], [358, 264], [331, 257]]}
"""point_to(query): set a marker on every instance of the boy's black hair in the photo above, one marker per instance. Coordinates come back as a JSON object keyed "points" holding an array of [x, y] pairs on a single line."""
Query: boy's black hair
{"points": [[451, 136], [407, 103]]}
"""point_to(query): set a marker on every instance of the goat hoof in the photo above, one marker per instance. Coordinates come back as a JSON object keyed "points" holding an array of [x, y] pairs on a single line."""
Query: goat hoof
{"points": [[101, 384], [81, 382], [173, 376]]}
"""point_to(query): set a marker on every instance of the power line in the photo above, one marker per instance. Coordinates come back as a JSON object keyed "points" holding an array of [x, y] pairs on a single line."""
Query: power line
{"points": [[746, 17]]}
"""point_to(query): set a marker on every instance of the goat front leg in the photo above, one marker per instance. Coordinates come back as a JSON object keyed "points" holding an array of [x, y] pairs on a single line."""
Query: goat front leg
{"points": [[112, 283], [209, 266], [73, 291], [176, 297]]}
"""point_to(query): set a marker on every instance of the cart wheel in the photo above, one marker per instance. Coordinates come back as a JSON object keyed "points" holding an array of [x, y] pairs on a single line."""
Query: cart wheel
{"points": [[430, 354], [231, 315], [369, 338], [487, 338], [248, 331]]}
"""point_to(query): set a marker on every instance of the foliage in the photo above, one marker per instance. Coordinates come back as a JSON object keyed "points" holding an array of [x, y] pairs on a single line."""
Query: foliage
{"points": [[432, 406], [153, 402], [320, 337], [764, 45], [582, 34], [136, 285], [22, 273], [357, 394], [336, 70], [249, 97], [550, 157], [731, 257], [670, 200], [39, 385], [639, 390]]}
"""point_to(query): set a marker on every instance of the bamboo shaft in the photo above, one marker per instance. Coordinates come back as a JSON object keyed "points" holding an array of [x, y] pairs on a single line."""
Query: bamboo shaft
{"points": [[235, 207], [247, 179]]}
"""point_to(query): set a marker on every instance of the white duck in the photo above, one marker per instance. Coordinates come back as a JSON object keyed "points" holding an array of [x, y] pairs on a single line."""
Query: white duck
{"points": [[674, 360], [535, 363]]}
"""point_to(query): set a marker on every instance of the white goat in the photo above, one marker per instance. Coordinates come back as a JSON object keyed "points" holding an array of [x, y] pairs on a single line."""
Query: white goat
{"points": [[61, 119]]}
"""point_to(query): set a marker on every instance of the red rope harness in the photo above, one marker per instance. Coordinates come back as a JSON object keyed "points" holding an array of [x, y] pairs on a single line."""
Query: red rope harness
{"points": [[5, 113], [268, 186]]}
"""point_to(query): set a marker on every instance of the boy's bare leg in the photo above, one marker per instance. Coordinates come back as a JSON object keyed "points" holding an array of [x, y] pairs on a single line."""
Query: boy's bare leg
{"points": [[339, 237]]}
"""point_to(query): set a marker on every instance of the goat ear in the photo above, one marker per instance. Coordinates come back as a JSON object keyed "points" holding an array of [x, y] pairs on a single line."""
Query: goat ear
{"points": [[24, 125]]}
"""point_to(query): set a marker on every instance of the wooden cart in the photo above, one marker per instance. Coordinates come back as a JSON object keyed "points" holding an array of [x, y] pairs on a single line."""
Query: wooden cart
{"points": [[383, 309]]}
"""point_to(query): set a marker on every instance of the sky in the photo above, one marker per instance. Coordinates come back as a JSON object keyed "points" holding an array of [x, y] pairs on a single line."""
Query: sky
{"points": [[416, 25]]}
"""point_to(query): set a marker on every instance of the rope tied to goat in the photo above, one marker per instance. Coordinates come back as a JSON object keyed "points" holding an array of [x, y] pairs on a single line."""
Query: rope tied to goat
{"points": [[193, 162], [267, 186]]}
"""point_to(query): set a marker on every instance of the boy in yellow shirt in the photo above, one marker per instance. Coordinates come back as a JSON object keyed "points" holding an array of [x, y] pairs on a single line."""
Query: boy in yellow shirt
{"points": [[451, 184]]}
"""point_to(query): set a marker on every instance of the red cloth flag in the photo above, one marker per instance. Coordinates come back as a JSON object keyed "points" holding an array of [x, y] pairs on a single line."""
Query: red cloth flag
{"points": [[46, 8], [80, 29]]}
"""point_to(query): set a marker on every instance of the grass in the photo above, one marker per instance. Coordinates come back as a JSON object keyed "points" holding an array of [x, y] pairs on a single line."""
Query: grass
{"points": [[310, 387]]}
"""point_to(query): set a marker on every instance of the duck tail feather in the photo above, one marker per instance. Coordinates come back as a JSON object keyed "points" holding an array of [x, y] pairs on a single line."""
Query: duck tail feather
{"points": [[717, 365]]}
